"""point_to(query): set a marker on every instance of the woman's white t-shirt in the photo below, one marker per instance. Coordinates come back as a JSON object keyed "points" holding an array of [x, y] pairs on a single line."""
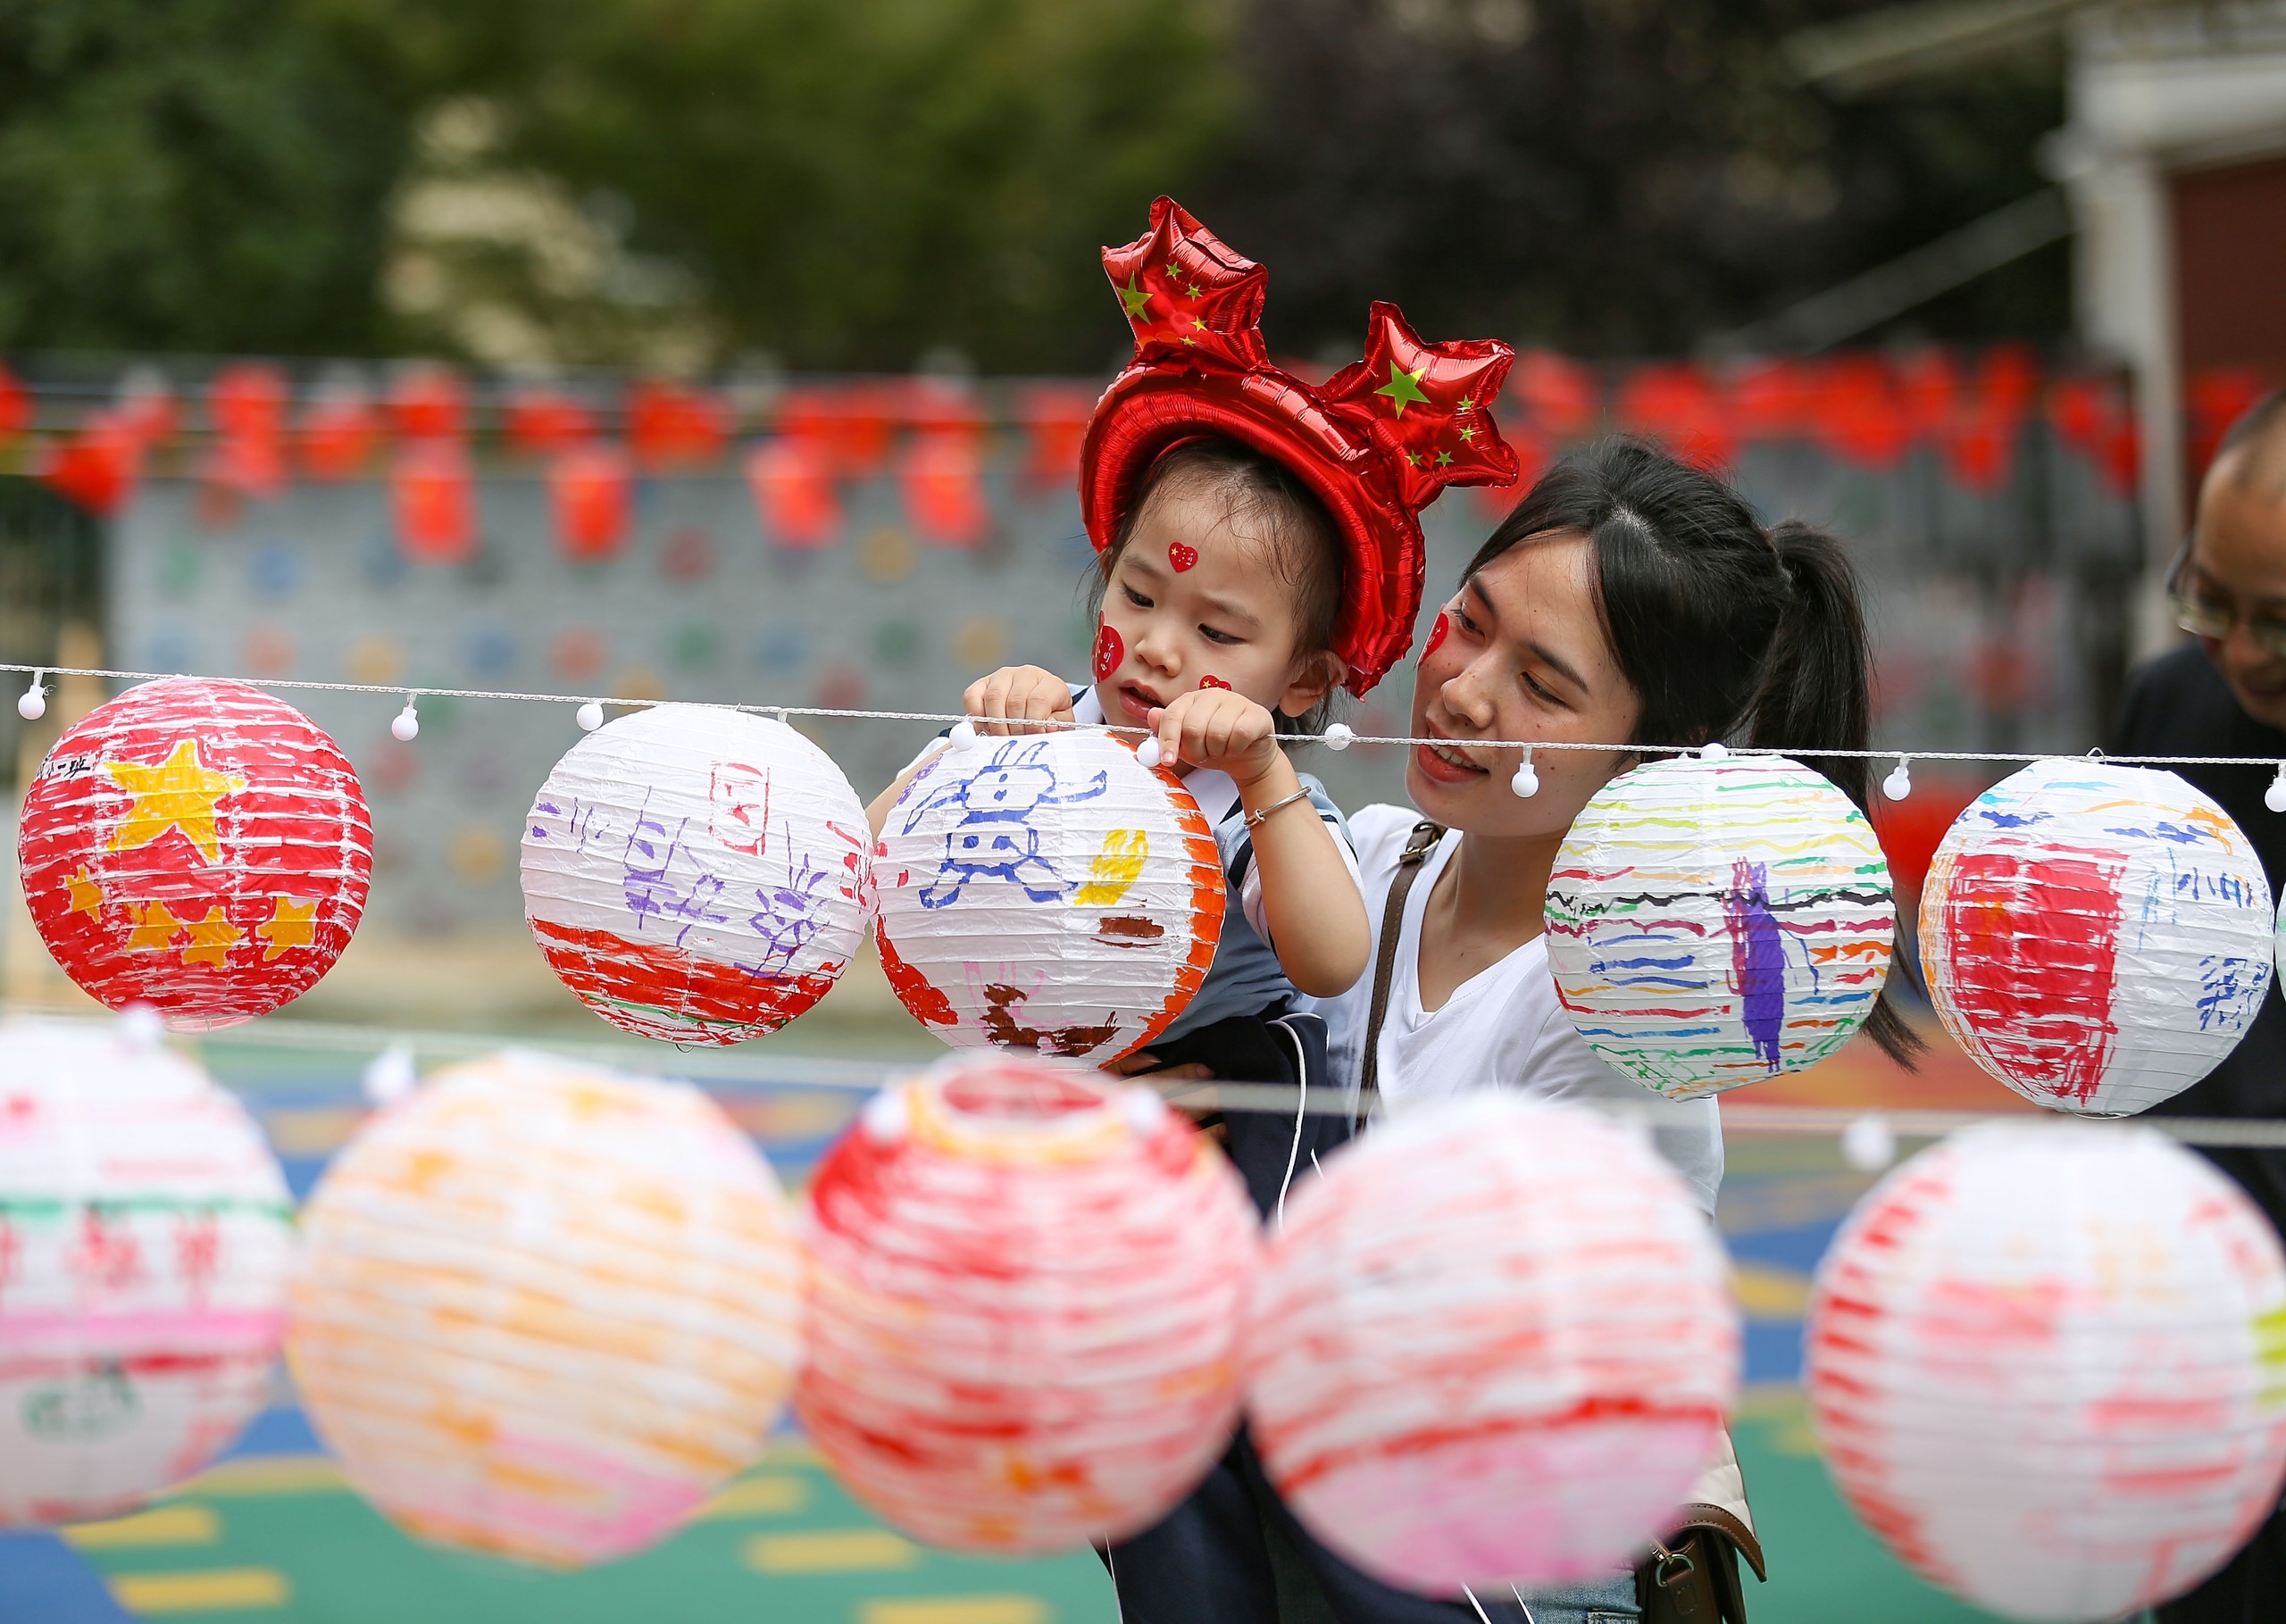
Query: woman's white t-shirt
{"points": [[1502, 1027]]}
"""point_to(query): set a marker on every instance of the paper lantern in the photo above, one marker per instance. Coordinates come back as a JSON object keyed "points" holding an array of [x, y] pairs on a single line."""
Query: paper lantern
{"points": [[941, 478], [434, 494], [1492, 1345], [1713, 922], [197, 846], [791, 481], [590, 488], [696, 873], [2096, 937], [2049, 1367], [1024, 1301], [146, 1234], [543, 1309], [1047, 891]]}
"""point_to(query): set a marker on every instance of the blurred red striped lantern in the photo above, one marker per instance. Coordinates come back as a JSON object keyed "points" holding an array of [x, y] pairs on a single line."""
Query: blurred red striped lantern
{"points": [[197, 846], [1677, 404], [98, 467], [434, 494], [1493, 1343], [696, 873], [1055, 416], [1025, 1290], [145, 1233], [247, 404], [791, 478], [672, 425], [2048, 1368], [427, 402], [941, 479], [339, 432], [588, 488], [541, 421], [15, 406]]}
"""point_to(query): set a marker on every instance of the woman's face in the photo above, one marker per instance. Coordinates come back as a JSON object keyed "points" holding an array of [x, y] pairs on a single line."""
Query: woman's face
{"points": [[1519, 653]]}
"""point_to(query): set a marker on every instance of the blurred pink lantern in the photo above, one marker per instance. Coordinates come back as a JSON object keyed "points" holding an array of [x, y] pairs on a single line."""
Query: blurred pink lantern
{"points": [[1026, 1283], [2048, 1368], [1492, 1345]]}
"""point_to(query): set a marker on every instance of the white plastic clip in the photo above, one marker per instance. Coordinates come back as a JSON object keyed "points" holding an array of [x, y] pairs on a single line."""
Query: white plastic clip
{"points": [[1148, 752], [33, 705], [590, 716], [1899, 783], [963, 734], [1713, 750], [1526, 783], [2275, 797], [1339, 736], [1869, 1143], [407, 725]]}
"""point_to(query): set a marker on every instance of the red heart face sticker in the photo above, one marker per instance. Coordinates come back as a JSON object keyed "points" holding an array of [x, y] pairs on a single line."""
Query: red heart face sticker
{"points": [[1436, 633], [1181, 556], [1109, 650], [1214, 682]]}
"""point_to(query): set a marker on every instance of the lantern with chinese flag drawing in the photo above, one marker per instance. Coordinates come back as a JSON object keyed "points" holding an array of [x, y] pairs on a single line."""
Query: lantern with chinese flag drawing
{"points": [[588, 487], [791, 478], [435, 498], [1049, 891], [145, 1233], [2049, 1367], [1494, 1344], [197, 846], [1715, 922], [1025, 1288], [696, 873], [2096, 937], [543, 1309]]}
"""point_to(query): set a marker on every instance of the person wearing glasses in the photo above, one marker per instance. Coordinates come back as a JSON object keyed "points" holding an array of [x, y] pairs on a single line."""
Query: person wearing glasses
{"points": [[2225, 694]]}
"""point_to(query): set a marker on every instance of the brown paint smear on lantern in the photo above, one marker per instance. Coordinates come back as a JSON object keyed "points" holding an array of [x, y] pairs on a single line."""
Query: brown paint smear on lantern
{"points": [[1064, 1040]]}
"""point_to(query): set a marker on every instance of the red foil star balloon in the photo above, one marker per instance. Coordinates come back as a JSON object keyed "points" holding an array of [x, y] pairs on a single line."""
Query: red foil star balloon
{"points": [[1378, 443], [197, 846]]}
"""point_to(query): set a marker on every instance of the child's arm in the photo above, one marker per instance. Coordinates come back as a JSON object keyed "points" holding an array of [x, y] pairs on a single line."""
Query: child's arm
{"points": [[1316, 918], [1013, 694]]}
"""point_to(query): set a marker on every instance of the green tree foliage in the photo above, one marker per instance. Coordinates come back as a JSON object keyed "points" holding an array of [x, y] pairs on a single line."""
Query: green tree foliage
{"points": [[850, 184], [193, 175]]}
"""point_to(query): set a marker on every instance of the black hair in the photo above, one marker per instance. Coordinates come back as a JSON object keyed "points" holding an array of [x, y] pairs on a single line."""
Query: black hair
{"points": [[1277, 508], [1725, 629], [2260, 432]]}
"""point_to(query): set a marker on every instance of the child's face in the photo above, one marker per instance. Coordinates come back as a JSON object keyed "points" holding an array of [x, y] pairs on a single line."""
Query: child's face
{"points": [[1193, 604]]}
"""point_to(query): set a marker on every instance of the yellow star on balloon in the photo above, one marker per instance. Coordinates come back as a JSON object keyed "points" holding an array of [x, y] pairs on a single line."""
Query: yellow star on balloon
{"points": [[291, 924], [155, 926], [86, 896], [178, 793], [212, 938]]}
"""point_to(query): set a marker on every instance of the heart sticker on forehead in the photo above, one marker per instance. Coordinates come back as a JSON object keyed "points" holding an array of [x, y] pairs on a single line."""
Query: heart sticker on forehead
{"points": [[1109, 650], [1181, 556], [1214, 682]]}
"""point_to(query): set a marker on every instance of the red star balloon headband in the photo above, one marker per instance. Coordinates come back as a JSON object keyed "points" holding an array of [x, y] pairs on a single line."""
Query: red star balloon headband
{"points": [[1377, 441]]}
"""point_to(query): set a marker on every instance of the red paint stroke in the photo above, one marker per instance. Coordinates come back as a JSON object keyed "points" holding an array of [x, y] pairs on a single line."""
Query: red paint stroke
{"points": [[599, 966], [922, 999], [1109, 651], [1181, 556], [2032, 947]]}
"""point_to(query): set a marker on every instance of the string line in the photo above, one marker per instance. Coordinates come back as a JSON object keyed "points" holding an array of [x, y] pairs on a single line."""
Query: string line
{"points": [[1339, 738]]}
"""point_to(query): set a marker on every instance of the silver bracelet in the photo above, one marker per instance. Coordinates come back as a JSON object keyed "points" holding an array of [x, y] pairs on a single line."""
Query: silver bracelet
{"points": [[1253, 819]]}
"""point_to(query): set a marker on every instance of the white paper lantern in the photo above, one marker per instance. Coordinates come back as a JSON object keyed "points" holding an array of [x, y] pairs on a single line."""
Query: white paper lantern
{"points": [[145, 1232], [1049, 891], [1492, 1345], [696, 873], [545, 1310], [1715, 922], [1026, 1286], [2049, 1367], [2096, 937]]}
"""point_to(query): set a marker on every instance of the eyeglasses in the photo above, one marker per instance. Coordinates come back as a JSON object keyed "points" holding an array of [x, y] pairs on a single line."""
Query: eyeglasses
{"points": [[2205, 618]]}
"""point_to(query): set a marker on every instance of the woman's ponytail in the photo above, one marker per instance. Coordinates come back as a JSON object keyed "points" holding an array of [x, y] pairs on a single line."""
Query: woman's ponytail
{"points": [[1722, 631]]}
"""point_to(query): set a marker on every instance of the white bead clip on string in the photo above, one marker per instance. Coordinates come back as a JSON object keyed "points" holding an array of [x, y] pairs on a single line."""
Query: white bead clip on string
{"points": [[963, 734], [1148, 752], [2275, 797], [1339, 736], [589, 716], [1526, 783], [33, 705], [407, 725], [1713, 750], [1899, 783]]}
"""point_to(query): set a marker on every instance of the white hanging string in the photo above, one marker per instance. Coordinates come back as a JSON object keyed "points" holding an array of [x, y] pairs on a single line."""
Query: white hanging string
{"points": [[1339, 736]]}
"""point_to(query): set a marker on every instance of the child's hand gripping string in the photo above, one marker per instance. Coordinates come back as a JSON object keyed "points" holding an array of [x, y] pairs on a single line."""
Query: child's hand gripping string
{"points": [[1001, 702], [1310, 901]]}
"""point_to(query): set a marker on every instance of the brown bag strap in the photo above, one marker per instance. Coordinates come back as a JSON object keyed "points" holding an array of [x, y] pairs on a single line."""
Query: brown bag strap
{"points": [[1417, 847]]}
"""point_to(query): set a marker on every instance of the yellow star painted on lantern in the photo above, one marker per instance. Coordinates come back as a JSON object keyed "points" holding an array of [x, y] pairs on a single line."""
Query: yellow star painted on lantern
{"points": [[155, 926], [1135, 298], [1116, 867], [178, 793], [211, 938], [291, 924], [86, 896], [1404, 387]]}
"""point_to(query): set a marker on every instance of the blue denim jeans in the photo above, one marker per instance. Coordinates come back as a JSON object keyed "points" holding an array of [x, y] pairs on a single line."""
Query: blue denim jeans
{"points": [[1610, 1601]]}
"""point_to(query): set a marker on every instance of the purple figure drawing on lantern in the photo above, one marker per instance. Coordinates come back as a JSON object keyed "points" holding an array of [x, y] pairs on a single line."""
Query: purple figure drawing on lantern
{"points": [[994, 837], [1757, 959]]}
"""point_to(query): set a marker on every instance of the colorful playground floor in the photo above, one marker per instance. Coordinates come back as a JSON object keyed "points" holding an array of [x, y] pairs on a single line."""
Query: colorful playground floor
{"points": [[272, 1535]]}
